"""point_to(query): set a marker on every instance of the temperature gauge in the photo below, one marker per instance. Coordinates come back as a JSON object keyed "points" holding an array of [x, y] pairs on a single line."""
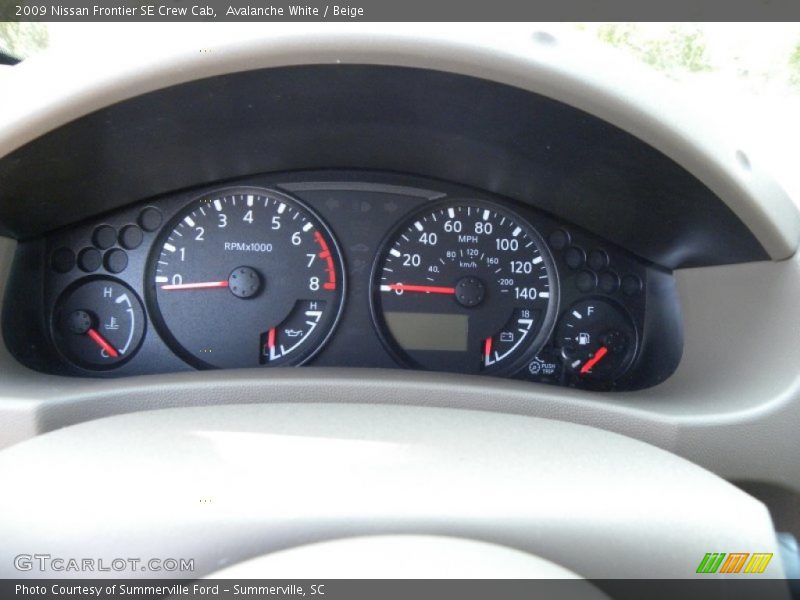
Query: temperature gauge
{"points": [[98, 324], [597, 341]]}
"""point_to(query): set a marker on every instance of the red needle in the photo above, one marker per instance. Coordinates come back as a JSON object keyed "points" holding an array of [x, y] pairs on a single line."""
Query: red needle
{"points": [[271, 339], [203, 285], [601, 352], [431, 289], [487, 347], [100, 341]]}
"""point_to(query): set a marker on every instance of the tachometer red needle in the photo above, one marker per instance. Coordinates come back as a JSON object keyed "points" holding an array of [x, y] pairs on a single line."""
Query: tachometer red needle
{"points": [[271, 339], [601, 352], [203, 285], [487, 347], [430, 289], [100, 341]]}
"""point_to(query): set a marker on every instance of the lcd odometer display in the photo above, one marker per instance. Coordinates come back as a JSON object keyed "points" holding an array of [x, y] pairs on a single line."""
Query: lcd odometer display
{"points": [[464, 286], [424, 331]]}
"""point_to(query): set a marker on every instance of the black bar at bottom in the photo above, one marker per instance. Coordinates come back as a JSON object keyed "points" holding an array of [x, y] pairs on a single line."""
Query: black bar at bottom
{"points": [[373, 589]]}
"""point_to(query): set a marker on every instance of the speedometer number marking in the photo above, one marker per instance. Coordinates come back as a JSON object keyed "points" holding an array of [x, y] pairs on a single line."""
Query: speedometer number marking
{"points": [[464, 287]]}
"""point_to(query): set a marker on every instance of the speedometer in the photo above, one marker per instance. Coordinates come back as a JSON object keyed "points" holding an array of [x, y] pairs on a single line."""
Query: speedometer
{"points": [[246, 277], [465, 286]]}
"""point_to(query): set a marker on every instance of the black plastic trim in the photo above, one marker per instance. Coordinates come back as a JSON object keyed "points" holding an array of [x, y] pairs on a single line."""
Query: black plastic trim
{"points": [[462, 129]]}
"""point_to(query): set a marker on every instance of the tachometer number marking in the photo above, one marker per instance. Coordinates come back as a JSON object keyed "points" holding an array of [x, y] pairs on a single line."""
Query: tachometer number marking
{"points": [[251, 257]]}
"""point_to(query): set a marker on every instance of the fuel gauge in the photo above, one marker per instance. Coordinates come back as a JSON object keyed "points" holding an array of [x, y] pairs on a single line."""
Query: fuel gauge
{"points": [[98, 324], [597, 341]]}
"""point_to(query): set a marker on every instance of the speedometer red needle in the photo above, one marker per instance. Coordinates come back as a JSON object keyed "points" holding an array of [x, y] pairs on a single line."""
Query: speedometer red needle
{"points": [[601, 352], [101, 341], [203, 285], [430, 289]]}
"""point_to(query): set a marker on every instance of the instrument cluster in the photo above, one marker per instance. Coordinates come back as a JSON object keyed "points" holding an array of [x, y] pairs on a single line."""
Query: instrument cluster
{"points": [[342, 269]]}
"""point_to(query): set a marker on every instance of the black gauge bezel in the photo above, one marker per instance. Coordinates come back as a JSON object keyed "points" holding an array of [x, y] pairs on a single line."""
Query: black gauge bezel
{"points": [[149, 285], [631, 357], [56, 336], [550, 316]]}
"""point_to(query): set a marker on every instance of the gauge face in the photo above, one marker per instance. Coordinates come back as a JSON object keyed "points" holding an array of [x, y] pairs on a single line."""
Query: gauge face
{"points": [[597, 341], [246, 277], [98, 324], [465, 286]]}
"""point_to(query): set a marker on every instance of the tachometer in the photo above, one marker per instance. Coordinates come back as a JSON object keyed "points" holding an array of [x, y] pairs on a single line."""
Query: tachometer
{"points": [[466, 286], [246, 277]]}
